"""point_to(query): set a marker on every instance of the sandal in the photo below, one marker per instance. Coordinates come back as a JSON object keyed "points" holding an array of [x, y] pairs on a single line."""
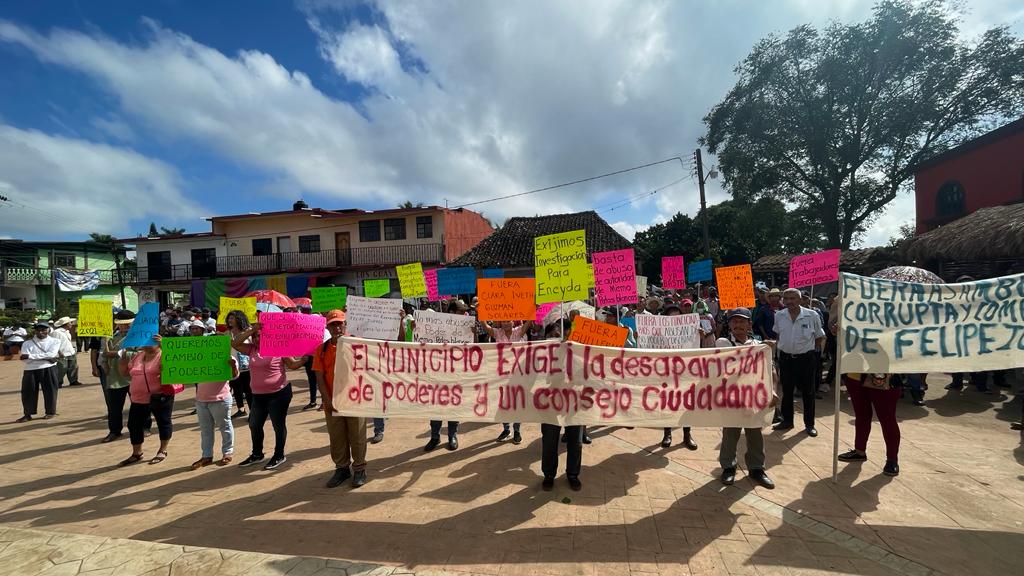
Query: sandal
{"points": [[130, 460], [160, 457]]}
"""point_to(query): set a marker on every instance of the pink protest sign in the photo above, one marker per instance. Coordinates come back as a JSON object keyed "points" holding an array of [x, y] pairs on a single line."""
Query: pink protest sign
{"points": [[615, 277], [817, 268], [290, 333], [543, 310], [673, 273], [430, 277]]}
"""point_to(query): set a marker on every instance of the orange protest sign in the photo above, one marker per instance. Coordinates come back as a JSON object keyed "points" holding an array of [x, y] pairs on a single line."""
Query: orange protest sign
{"points": [[735, 287], [505, 299], [594, 333]]}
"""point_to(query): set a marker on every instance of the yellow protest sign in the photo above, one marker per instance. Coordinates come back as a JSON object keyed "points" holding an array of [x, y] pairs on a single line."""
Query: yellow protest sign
{"points": [[561, 268], [246, 305], [735, 287], [411, 281], [95, 318]]}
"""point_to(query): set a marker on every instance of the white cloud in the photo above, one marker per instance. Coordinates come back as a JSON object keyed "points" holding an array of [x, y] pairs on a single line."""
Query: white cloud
{"points": [[900, 211], [61, 186], [628, 230]]}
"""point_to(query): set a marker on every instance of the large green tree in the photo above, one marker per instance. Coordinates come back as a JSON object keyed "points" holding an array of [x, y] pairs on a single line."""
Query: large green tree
{"points": [[834, 120]]}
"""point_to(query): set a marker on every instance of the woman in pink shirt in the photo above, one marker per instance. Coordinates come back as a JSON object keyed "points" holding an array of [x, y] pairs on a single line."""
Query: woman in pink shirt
{"points": [[150, 399], [213, 408], [509, 332], [271, 395]]}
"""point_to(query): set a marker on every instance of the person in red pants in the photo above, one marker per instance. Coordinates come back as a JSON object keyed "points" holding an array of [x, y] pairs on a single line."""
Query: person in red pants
{"points": [[875, 395]]}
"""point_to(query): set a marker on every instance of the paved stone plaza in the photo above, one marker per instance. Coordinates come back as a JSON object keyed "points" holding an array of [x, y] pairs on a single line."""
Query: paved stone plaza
{"points": [[957, 508]]}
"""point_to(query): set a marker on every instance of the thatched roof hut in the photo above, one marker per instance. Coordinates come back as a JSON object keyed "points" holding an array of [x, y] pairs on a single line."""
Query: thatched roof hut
{"points": [[774, 269], [983, 244]]}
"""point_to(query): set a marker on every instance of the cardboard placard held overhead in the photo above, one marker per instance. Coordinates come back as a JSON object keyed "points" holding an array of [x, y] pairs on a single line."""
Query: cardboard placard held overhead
{"points": [[615, 277], [699, 271], [430, 278], [673, 273], [246, 305], [811, 269], [560, 267], [195, 359], [145, 325], [328, 298], [377, 287], [595, 333], [735, 287], [376, 318], [505, 299], [411, 281], [95, 318], [290, 333], [456, 281]]}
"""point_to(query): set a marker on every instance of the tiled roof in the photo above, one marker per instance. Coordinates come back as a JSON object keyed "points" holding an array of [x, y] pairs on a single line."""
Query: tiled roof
{"points": [[512, 245], [849, 260]]}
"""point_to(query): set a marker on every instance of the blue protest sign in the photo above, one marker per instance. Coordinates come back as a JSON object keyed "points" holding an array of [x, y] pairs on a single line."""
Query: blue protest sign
{"points": [[699, 271], [629, 323], [494, 273], [456, 281], [144, 327]]}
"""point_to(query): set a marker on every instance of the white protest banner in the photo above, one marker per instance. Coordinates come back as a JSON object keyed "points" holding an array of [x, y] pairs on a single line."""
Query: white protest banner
{"points": [[902, 327], [553, 382], [376, 318], [671, 332], [443, 328]]}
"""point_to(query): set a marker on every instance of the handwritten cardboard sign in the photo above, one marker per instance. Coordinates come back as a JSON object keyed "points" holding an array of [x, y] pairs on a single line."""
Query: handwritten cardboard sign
{"points": [[290, 333], [227, 304], [411, 281], [443, 328], [673, 273], [505, 299], [615, 277], [459, 281], [430, 278], [735, 287], [543, 311], [668, 332], [493, 273], [328, 298], [145, 325], [699, 271], [560, 267], [594, 333], [641, 287], [376, 287], [95, 318], [376, 318], [811, 269], [562, 383], [195, 359]]}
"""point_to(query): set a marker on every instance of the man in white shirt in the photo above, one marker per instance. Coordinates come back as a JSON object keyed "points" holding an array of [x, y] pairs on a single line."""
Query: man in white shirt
{"points": [[67, 365], [40, 355], [209, 321], [800, 334]]}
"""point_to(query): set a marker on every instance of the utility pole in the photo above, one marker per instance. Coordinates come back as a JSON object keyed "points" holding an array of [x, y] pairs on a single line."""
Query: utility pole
{"points": [[53, 284], [703, 203]]}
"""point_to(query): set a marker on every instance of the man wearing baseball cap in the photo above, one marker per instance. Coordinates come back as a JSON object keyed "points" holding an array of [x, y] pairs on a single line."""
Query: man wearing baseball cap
{"points": [[347, 433], [40, 355]]}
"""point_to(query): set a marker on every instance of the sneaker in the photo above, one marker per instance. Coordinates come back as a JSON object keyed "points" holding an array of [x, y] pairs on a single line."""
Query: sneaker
{"points": [[728, 476], [517, 438], [574, 484], [586, 438], [891, 468], [853, 456], [239, 414], [433, 443], [359, 479], [548, 483], [274, 462], [252, 459], [503, 436], [377, 438], [339, 476]]}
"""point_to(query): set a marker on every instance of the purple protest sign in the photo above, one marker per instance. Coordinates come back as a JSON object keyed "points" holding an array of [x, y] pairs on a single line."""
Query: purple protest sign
{"points": [[811, 269]]}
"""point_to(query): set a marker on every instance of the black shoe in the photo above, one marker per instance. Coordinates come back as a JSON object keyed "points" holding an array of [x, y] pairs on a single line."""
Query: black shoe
{"points": [[252, 459], [954, 386], [575, 484], [587, 439], [689, 442], [918, 402], [852, 456], [666, 440], [433, 443], [762, 479], [193, 412], [75, 384], [274, 462], [548, 483], [453, 442], [812, 432], [359, 479], [239, 414], [309, 406], [517, 438], [781, 426], [339, 476], [565, 438], [728, 476], [503, 436], [891, 468], [110, 438], [377, 438]]}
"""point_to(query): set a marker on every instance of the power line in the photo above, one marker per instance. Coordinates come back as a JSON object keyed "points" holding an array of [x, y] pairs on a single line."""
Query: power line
{"points": [[626, 202]]}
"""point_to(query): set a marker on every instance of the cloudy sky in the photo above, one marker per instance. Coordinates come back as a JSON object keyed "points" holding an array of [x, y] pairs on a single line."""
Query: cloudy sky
{"points": [[114, 114]]}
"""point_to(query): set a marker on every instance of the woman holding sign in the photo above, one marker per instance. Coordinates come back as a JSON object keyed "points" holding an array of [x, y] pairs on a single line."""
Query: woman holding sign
{"points": [[240, 388], [271, 395], [666, 439], [508, 332], [151, 399]]}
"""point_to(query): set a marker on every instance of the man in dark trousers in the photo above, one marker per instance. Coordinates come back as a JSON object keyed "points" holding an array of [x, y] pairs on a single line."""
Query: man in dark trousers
{"points": [[549, 454], [800, 334], [40, 355]]}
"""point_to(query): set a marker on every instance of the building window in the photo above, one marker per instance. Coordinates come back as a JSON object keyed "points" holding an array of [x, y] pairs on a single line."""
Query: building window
{"points": [[262, 246], [394, 229], [204, 255], [63, 260], [369, 231], [949, 201], [424, 226], [309, 243]]}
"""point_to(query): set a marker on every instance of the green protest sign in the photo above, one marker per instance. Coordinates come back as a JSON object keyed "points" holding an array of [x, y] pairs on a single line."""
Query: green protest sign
{"points": [[195, 359], [376, 288], [327, 299]]}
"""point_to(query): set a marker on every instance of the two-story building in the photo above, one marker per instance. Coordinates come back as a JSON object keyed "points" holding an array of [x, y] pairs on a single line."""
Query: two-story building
{"points": [[339, 247], [27, 273]]}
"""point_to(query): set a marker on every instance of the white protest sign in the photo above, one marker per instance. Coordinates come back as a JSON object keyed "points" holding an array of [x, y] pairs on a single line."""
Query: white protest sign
{"points": [[905, 328], [670, 332], [376, 318], [563, 383], [443, 328], [641, 287]]}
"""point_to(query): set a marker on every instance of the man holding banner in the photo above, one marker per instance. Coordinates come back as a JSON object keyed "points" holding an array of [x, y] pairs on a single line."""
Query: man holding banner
{"points": [[347, 433], [800, 334]]}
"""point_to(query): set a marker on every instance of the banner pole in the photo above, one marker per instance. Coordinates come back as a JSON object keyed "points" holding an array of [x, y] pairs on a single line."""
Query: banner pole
{"points": [[838, 381]]}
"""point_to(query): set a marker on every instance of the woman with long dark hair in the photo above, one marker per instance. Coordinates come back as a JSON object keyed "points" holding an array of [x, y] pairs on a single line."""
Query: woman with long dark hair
{"points": [[240, 387]]}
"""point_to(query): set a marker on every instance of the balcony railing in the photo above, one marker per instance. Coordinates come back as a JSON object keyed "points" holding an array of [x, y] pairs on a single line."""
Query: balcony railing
{"points": [[10, 275], [323, 260]]}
